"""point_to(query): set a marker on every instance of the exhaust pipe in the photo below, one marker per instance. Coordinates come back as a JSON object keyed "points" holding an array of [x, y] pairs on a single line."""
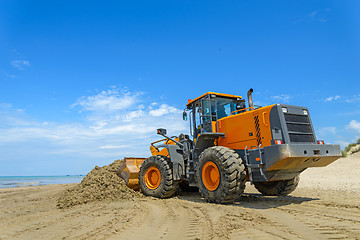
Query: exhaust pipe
{"points": [[249, 95]]}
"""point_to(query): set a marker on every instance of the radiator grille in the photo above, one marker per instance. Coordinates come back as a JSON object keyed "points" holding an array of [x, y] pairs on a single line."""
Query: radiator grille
{"points": [[299, 128], [301, 138], [304, 128], [296, 118]]}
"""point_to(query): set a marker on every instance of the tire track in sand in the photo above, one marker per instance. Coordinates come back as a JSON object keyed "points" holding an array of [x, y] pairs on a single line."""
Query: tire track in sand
{"points": [[311, 219], [166, 219], [331, 222]]}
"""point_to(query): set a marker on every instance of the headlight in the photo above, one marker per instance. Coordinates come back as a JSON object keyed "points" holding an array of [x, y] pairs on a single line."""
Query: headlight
{"points": [[284, 109]]}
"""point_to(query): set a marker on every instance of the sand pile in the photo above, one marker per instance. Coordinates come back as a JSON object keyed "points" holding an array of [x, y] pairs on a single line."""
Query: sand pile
{"points": [[101, 183]]}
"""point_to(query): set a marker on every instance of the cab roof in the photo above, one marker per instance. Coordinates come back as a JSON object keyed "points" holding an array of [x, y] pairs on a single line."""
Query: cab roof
{"points": [[212, 93]]}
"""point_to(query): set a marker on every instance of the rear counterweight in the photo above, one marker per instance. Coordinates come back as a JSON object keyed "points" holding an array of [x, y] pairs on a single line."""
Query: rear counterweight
{"points": [[286, 161]]}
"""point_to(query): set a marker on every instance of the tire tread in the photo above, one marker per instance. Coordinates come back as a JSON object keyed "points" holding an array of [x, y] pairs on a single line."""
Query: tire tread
{"points": [[277, 188], [233, 182], [169, 187]]}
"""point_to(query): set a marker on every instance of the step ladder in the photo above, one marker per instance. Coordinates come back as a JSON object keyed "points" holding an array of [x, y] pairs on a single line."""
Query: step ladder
{"points": [[252, 167]]}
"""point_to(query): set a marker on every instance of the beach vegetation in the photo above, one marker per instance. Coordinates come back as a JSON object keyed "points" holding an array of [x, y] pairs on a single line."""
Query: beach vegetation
{"points": [[343, 154]]}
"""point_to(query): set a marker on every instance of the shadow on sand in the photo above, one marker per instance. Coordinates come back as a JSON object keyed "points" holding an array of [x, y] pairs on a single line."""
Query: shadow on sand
{"points": [[250, 200]]}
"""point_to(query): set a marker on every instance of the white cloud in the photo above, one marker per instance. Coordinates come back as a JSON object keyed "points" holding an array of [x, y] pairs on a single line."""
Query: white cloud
{"points": [[13, 117], [107, 131], [98, 125], [329, 134], [327, 131], [163, 110], [333, 135], [113, 146], [314, 16], [353, 99], [20, 64], [134, 114], [334, 98], [282, 98], [107, 101], [115, 124], [342, 135], [342, 144], [7, 75], [259, 103], [345, 99], [354, 125]]}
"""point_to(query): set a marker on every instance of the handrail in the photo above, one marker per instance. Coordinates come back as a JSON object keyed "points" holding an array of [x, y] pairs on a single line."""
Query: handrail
{"points": [[152, 144], [243, 109], [164, 139], [264, 121]]}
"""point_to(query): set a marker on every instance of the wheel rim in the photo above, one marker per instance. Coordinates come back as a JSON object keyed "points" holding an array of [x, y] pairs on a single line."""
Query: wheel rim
{"points": [[152, 177], [210, 176]]}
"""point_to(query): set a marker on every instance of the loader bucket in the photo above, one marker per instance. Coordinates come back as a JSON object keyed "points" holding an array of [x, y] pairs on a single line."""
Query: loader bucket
{"points": [[129, 171]]}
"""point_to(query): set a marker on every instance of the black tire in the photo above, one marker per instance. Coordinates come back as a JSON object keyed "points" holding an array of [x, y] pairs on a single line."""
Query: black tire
{"points": [[167, 186], [277, 188], [232, 175], [184, 186]]}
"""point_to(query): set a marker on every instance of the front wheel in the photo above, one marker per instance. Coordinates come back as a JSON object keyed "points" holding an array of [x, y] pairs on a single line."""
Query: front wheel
{"points": [[155, 177], [277, 188], [220, 175]]}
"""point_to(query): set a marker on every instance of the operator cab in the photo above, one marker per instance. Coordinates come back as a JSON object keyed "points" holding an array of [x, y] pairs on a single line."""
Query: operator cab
{"points": [[207, 109]]}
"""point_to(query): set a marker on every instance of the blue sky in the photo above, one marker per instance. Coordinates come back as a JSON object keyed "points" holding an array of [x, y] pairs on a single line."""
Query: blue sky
{"points": [[84, 83]]}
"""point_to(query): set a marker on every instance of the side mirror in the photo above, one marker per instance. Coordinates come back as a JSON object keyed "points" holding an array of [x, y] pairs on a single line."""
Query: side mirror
{"points": [[184, 116], [240, 105], [161, 131]]}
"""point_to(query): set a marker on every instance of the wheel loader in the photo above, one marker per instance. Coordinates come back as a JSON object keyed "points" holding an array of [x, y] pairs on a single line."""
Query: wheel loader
{"points": [[230, 144]]}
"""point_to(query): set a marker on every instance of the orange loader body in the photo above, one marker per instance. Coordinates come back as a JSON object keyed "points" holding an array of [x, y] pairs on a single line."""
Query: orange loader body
{"points": [[268, 146]]}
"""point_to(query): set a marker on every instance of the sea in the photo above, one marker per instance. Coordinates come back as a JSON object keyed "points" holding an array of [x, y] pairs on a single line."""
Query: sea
{"points": [[22, 181]]}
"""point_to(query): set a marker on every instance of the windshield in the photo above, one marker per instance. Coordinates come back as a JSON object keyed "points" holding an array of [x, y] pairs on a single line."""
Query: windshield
{"points": [[225, 106]]}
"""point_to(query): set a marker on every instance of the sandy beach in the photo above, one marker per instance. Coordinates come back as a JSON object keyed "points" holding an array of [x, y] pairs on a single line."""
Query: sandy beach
{"points": [[324, 206]]}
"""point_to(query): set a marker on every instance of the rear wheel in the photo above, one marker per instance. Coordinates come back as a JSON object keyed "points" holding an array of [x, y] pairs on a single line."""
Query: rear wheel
{"points": [[220, 175], [277, 188], [155, 177]]}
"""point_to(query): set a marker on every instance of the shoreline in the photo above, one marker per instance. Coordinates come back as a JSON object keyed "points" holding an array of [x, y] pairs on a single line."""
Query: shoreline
{"points": [[22, 181]]}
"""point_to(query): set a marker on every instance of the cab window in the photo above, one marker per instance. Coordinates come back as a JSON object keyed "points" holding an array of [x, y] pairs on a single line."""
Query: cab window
{"points": [[225, 107]]}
